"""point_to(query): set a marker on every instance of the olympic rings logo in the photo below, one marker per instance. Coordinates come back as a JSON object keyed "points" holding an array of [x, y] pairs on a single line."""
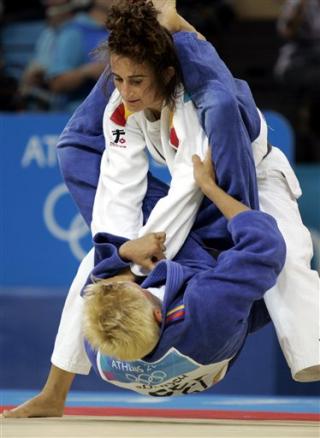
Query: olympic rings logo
{"points": [[155, 378], [77, 229]]}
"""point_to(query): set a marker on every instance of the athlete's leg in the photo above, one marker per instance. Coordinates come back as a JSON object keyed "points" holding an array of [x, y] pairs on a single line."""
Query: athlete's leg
{"points": [[69, 353], [293, 303]]}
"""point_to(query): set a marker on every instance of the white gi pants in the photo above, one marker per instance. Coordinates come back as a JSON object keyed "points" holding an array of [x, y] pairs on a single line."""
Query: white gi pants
{"points": [[293, 303], [69, 353]]}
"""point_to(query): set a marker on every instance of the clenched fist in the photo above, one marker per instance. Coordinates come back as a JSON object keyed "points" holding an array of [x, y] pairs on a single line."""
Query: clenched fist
{"points": [[145, 251]]}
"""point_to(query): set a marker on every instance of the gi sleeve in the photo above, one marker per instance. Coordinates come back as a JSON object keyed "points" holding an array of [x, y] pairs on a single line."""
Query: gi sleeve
{"points": [[227, 113], [219, 300], [175, 213], [107, 262], [81, 145], [123, 181]]}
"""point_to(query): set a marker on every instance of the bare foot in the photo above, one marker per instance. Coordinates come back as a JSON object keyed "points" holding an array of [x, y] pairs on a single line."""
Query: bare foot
{"points": [[39, 406]]}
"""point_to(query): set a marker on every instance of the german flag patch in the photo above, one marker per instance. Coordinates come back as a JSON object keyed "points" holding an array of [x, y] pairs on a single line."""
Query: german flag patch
{"points": [[120, 115], [174, 140], [175, 314]]}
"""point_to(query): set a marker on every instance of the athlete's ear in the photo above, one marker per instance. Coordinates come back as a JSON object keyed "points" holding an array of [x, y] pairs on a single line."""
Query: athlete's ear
{"points": [[157, 315], [169, 73]]}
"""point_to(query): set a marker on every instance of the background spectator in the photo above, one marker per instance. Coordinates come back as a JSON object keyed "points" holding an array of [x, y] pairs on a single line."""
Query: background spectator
{"points": [[298, 68], [17, 10], [212, 18], [74, 70], [34, 87], [63, 69], [8, 85]]}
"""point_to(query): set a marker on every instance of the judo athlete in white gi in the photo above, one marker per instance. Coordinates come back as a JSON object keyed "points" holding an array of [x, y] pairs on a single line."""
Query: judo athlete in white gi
{"points": [[220, 100]]}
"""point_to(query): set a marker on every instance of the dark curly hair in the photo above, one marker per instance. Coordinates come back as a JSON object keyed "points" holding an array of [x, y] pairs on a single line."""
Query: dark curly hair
{"points": [[136, 34]]}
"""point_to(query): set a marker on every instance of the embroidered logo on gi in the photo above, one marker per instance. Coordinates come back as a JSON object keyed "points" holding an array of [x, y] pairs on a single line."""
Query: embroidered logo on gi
{"points": [[120, 115], [117, 134], [174, 140], [175, 314]]}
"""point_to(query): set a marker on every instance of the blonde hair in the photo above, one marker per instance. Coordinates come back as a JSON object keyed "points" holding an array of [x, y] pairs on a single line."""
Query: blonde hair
{"points": [[119, 321]]}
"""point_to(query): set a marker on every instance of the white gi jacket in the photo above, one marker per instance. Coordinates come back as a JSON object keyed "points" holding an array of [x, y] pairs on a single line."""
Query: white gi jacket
{"points": [[172, 141]]}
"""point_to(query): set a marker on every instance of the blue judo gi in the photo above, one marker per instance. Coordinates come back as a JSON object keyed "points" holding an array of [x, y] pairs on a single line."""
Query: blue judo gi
{"points": [[209, 307]]}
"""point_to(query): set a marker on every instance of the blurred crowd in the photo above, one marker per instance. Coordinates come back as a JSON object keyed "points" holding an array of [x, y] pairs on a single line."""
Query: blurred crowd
{"points": [[63, 64], [298, 68]]}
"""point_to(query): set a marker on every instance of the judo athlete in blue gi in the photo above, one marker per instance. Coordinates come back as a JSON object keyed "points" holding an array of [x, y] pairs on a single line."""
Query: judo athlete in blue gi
{"points": [[188, 340], [238, 133]]}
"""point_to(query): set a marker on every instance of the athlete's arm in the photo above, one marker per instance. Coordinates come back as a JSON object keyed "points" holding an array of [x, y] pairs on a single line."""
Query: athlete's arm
{"points": [[175, 213], [123, 178], [81, 145], [205, 177], [221, 298], [227, 113]]}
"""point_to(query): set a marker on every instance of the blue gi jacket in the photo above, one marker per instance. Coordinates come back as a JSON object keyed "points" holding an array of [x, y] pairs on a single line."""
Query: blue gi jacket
{"points": [[208, 308]]}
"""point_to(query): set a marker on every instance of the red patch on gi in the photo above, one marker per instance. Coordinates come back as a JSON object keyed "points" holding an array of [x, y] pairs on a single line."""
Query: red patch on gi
{"points": [[174, 138], [119, 115]]}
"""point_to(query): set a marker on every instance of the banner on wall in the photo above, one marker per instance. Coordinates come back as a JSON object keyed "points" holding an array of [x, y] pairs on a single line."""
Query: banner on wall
{"points": [[43, 237]]}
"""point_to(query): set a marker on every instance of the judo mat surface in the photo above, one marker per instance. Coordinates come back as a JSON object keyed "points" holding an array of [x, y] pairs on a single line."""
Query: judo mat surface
{"points": [[96, 414]]}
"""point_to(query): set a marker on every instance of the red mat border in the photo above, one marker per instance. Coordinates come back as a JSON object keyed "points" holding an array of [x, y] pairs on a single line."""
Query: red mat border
{"points": [[190, 414]]}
